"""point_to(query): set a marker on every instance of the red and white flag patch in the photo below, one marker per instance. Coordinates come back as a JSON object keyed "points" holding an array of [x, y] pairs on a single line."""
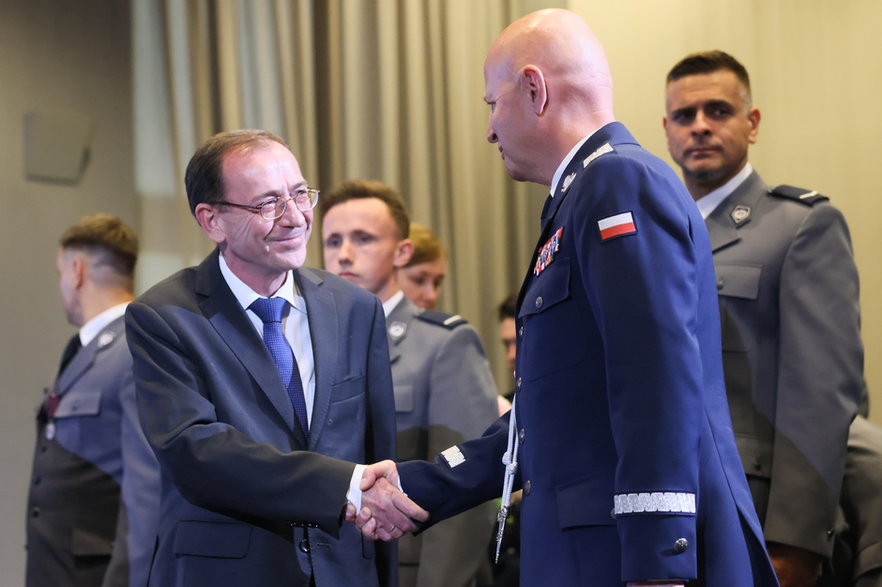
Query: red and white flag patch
{"points": [[618, 225]]}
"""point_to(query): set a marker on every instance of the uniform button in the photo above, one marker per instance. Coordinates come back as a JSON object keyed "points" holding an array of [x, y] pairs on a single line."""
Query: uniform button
{"points": [[680, 545], [304, 546], [612, 513], [527, 486], [830, 533], [519, 383], [36, 480], [757, 466], [720, 283], [35, 512], [521, 435], [538, 302], [43, 448], [521, 331]]}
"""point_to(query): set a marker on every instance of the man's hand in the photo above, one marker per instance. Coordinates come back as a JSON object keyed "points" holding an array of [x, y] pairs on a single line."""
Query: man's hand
{"points": [[795, 567], [386, 513]]}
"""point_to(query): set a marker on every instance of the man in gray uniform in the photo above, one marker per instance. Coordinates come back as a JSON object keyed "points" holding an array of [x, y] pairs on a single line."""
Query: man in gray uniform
{"points": [[94, 497], [444, 392], [788, 287]]}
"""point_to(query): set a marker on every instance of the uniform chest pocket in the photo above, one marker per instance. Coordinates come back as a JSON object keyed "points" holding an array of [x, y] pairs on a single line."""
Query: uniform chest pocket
{"points": [[554, 328], [548, 289], [79, 403], [739, 281]]}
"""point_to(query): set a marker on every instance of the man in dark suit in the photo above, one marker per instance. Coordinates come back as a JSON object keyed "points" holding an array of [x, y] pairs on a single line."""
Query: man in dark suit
{"points": [[444, 391], [788, 289], [619, 435], [261, 383], [94, 495]]}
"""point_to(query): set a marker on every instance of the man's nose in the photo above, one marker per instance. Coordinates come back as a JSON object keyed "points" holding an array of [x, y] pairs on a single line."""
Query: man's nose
{"points": [[491, 136]]}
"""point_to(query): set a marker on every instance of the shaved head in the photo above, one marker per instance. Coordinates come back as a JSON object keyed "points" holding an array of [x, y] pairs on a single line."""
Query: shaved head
{"points": [[552, 72]]}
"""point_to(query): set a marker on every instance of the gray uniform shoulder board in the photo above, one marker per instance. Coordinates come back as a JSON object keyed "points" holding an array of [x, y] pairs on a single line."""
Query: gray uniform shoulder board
{"points": [[448, 321], [807, 197]]}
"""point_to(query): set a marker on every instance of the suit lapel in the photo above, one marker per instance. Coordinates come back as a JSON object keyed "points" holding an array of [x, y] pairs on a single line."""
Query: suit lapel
{"points": [[223, 311], [324, 331], [721, 227]]}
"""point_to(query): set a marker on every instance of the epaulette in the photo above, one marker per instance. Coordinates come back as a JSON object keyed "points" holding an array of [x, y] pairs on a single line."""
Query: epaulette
{"points": [[807, 197], [448, 321]]}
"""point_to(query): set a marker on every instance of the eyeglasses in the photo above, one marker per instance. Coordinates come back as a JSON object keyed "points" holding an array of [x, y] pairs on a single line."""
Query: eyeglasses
{"points": [[273, 208]]}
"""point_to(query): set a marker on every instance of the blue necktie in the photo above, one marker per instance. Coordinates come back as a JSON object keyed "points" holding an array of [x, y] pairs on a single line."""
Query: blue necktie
{"points": [[269, 310]]}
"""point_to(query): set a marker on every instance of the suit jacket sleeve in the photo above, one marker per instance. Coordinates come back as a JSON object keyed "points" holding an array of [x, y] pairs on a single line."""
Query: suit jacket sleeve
{"points": [[819, 380], [213, 464], [462, 403]]}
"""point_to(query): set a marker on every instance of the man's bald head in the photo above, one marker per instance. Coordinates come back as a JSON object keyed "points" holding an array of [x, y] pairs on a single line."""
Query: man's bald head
{"points": [[552, 61]]}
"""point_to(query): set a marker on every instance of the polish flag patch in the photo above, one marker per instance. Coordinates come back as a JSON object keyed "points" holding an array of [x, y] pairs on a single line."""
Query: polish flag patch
{"points": [[618, 225]]}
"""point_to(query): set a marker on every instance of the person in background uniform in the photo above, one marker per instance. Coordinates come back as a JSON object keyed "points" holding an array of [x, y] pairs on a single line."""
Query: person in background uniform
{"points": [[261, 383], [857, 554], [421, 278], [619, 435], [788, 292], [94, 495], [444, 391]]}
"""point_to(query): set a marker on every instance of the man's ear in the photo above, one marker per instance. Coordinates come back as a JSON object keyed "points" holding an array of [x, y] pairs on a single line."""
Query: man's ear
{"points": [[210, 222], [534, 82], [753, 116], [78, 270], [403, 253]]}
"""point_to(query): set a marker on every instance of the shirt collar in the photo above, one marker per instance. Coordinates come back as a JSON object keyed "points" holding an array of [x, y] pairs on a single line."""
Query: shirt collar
{"points": [[98, 323], [709, 202], [565, 163], [245, 295], [392, 302]]}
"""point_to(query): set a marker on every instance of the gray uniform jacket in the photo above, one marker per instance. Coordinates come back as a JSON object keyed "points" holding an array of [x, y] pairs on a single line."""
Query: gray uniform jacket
{"points": [[93, 504], [444, 395], [792, 352]]}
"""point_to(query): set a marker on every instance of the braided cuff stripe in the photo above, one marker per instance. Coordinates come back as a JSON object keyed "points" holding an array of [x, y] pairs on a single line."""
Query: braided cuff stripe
{"points": [[655, 502]]}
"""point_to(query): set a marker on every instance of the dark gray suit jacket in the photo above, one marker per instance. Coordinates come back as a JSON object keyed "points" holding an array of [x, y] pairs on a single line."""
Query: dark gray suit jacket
{"points": [[444, 395], [94, 496], [246, 500], [792, 353]]}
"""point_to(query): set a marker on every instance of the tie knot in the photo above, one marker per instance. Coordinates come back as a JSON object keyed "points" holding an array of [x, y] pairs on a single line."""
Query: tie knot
{"points": [[268, 309]]}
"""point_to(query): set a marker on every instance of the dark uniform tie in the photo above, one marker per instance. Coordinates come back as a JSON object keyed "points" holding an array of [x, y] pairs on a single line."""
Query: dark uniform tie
{"points": [[73, 347], [269, 310]]}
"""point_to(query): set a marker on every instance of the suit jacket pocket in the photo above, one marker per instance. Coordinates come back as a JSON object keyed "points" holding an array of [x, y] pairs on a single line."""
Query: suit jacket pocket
{"points": [[739, 281], [212, 539], [586, 502]]}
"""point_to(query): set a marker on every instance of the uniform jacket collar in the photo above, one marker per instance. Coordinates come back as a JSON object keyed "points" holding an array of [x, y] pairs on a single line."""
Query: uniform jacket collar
{"points": [[723, 229]]}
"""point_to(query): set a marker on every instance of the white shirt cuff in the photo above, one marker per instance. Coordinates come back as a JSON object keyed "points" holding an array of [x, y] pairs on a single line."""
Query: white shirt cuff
{"points": [[353, 496]]}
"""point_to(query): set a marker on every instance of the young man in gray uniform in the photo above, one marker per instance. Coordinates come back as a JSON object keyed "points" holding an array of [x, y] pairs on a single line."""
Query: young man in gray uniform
{"points": [[94, 498], [788, 287], [444, 392]]}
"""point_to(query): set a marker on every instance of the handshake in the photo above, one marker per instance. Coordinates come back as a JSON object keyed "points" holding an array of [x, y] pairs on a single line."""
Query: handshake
{"points": [[386, 513]]}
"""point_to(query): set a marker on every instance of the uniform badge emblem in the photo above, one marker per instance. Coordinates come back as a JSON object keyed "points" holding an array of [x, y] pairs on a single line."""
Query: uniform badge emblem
{"points": [[50, 430], [397, 330], [567, 181], [105, 339], [547, 252], [617, 225], [740, 214]]}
